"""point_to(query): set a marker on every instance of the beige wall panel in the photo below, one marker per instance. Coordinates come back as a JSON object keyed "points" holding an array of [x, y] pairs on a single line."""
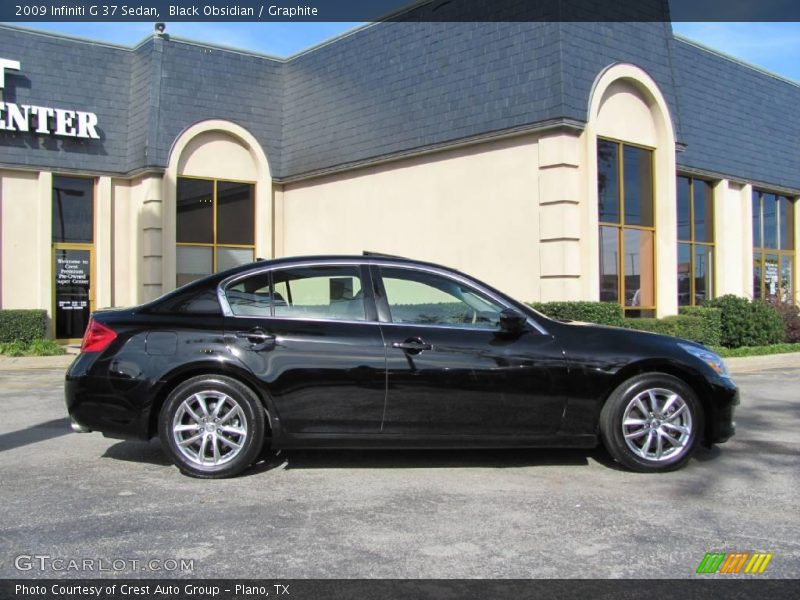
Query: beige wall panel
{"points": [[559, 184], [22, 249], [560, 221], [475, 209], [561, 149], [625, 115], [216, 154], [746, 203], [561, 258], [556, 289]]}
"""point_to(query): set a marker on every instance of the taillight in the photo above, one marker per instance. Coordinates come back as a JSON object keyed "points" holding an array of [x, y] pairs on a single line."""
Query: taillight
{"points": [[97, 337]]}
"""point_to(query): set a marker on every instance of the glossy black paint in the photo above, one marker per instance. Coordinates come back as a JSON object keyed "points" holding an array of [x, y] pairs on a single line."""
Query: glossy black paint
{"points": [[329, 383]]}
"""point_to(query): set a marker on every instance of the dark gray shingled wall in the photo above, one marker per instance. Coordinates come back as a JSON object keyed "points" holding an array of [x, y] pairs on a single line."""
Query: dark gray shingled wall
{"points": [[391, 88], [738, 121], [62, 73], [198, 83], [396, 86]]}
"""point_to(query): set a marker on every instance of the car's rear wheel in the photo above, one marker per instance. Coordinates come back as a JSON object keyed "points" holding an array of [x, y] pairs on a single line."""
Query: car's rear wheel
{"points": [[652, 422], [212, 426]]}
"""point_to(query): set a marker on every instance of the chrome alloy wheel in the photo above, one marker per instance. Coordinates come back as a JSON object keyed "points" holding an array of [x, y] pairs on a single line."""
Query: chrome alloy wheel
{"points": [[657, 424], [209, 428]]}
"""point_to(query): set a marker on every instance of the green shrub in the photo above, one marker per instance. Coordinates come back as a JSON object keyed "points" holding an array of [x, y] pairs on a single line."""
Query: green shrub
{"points": [[602, 313], [746, 323], [688, 327], [712, 323], [22, 325], [790, 314]]}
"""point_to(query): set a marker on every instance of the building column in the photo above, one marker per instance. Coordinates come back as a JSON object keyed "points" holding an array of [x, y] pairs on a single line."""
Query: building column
{"points": [[560, 255], [796, 271], [746, 274], [730, 228], [44, 266], [151, 239], [103, 249]]}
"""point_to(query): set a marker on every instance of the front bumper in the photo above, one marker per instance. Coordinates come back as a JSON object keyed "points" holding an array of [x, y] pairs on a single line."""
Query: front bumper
{"points": [[724, 400]]}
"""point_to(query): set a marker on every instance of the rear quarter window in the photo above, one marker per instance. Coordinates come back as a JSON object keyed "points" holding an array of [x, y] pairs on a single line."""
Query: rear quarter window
{"points": [[193, 302]]}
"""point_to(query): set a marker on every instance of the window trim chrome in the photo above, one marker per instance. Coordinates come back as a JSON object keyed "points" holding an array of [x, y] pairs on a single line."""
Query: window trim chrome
{"points": [[228, 281]]}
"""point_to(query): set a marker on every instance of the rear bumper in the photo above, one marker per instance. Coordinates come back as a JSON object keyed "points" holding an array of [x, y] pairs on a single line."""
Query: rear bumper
{"points": [[95, 402]]}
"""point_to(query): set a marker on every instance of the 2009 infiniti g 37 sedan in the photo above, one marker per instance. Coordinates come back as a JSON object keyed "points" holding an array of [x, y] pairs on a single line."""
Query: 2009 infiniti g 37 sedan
{"points": [[379, 351]]}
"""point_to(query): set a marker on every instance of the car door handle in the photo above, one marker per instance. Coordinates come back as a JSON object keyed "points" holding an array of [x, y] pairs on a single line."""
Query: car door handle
{"points": [[256, 336], [412, 346]]}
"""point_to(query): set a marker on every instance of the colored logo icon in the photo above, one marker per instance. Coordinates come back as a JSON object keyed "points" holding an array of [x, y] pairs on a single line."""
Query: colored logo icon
{"points": [[734, 563]]}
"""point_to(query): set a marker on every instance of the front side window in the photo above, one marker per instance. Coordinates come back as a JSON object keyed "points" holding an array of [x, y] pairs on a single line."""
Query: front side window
{"points": [[695, 241], [627, 226], [422, 298], [215, 226], [773, 247], [321, 292]]}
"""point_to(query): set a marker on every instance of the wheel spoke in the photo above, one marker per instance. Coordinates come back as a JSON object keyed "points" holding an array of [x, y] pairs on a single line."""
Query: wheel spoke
{"points": [[229, 443], [628, 422], [202, 454], [673, 441], [648, 442], [191, 412], [232, 430], [677, 413], [668, 404], [659, 445], [215, 448], [182, 428], [653, 401], [636, 434], [190, 440], [203, 406], [679, 428], [231, 413], [640, 405], [218, 407]]}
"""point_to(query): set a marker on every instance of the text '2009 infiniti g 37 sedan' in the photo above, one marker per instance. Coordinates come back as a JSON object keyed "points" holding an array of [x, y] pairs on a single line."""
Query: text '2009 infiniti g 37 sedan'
{"points": [[379, 351]]}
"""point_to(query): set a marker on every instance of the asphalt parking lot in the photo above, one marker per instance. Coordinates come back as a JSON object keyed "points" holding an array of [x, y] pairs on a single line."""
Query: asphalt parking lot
{"points": [[409, 514]]}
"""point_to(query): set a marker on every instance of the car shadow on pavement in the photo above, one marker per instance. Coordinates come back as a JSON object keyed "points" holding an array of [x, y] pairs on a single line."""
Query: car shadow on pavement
{"points": [[34, 434], [151, 453], [138, 451]]}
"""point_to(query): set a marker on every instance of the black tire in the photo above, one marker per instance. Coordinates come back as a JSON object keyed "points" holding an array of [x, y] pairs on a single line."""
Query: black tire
{"points": [[224, 459], [656, 425]]}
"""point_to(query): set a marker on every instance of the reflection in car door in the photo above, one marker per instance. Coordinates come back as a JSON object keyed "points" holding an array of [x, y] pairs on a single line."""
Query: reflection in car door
{"points": [[310, 336], [469, 379]]}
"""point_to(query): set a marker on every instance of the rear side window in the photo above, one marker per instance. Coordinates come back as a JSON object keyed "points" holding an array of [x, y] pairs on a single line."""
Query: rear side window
{"points": [[323, 292]]}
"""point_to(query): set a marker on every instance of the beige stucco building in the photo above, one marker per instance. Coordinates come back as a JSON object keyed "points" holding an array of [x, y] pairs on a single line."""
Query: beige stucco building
{"points": [[602, 197]]}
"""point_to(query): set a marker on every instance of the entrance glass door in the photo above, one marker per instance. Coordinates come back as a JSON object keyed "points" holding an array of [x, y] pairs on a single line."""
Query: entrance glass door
{"points": [[72, 271]]}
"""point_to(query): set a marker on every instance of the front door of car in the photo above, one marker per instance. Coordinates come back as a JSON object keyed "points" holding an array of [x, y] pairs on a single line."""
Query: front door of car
{"points": [[450, 369], [310, 336]]}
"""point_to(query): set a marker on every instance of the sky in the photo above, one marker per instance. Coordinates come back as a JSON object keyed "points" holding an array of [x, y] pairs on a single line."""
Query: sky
{"points": [[771, 46]]}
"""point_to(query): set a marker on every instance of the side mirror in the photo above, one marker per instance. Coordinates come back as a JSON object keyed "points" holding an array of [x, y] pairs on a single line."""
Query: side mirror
{"points": [[512, 321]]}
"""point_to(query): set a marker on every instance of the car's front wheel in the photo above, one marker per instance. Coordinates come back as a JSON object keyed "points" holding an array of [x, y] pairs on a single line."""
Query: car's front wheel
{"points": [[652, 422], [212, 427]]}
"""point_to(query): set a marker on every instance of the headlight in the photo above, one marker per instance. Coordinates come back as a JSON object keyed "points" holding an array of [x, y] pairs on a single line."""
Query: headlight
{"points": [[710, 358]]}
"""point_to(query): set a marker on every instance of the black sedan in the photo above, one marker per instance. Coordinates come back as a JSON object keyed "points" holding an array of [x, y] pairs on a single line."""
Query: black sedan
{"points": [[379, 351]]}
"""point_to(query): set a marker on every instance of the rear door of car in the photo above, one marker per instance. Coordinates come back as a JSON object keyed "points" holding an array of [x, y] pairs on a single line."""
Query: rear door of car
{"points": [[309, 333], [451, 371]]}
